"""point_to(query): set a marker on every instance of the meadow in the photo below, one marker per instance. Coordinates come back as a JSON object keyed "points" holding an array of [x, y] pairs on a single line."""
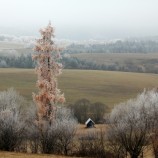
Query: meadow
{"points": [[108, 87]]}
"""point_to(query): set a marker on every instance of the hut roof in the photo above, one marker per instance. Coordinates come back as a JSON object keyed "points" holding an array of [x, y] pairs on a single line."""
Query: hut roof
{"points": [[89, 121]]}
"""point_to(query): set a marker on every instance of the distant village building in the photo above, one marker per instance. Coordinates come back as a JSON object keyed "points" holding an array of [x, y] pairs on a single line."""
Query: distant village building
{"points": [[90, 123]]}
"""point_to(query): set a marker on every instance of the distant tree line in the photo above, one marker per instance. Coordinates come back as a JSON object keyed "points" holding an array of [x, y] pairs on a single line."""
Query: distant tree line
{"points": [[22, 61], [144, 66], [25, 61], [119, 46]]}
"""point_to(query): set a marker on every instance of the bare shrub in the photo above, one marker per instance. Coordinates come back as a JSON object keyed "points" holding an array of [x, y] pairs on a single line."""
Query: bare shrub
{"points": [[33, 138], [92, 145], [32, 130], [66, 126], [12, 130], [48, 139], [114, 147]]}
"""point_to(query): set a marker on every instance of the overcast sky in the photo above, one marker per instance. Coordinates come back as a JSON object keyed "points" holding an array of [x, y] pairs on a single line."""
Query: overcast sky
{"points": [[81, 19]]}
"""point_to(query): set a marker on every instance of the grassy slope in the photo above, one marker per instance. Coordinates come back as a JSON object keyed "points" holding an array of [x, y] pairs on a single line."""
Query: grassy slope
{"points": [[104, 86]]}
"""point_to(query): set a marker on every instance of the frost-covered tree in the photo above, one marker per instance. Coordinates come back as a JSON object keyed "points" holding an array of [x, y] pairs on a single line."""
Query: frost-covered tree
{"points": [[57, 137], [12, 120], [47, 70], [12, 100], [133, 124]]}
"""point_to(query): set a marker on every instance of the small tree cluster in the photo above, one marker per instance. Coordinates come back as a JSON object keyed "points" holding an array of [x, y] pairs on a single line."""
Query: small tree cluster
{"points": [[84, 109]]}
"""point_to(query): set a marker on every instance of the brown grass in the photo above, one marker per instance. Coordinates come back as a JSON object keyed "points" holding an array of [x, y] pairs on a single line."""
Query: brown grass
{"points": [[82, 130], [22, 155]]}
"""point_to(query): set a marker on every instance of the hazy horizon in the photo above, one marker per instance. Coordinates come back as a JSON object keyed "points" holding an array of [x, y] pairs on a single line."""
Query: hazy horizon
{"points": [[79, 20]]}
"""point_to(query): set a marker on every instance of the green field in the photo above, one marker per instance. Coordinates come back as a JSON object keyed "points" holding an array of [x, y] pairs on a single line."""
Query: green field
{"points": [[104, 86]]}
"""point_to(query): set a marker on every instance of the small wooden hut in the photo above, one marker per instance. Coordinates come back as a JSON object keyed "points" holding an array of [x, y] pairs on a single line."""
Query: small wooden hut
{"points": [[90, 123]]}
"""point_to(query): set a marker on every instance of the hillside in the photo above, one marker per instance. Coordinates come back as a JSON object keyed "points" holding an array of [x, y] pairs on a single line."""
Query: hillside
{"points": [[131, 62], [112, 58], [104, 86]]}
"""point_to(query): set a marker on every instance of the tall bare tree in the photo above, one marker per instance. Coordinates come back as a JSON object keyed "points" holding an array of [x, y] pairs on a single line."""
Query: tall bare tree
{"points": [[47, 70]]}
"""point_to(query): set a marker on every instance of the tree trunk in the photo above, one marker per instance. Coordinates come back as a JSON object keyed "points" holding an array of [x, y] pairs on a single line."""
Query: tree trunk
{"points": [[156, 154], [133, 155]]}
